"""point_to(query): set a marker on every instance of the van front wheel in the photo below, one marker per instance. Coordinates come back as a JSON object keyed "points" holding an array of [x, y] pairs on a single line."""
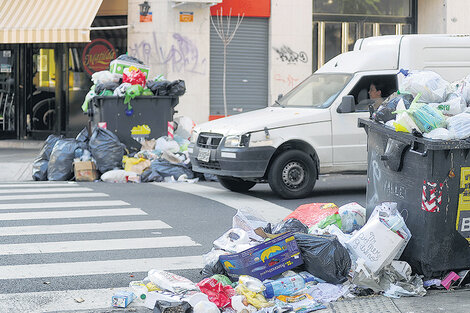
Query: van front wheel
{"points": [[292, 174], [235, 184]]}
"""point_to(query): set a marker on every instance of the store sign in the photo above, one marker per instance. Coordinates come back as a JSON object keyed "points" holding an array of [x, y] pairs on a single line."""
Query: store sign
{"points": [[97, 55], [146, 18], [186, 17]]}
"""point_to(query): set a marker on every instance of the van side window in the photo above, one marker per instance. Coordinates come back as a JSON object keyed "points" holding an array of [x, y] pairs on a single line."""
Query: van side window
{"points": [[372, 90]]}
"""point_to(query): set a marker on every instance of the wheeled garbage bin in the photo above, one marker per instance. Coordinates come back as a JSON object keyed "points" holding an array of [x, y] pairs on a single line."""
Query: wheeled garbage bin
{"points": [[430, 181], [149, 118]]}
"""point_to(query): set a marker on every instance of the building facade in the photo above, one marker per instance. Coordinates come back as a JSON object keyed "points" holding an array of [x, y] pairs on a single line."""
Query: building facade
{"points": [[278, 43]]}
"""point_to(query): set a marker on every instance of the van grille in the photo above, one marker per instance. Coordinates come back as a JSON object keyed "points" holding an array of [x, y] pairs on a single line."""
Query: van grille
{"points": [[209, 140], [213, 165]]}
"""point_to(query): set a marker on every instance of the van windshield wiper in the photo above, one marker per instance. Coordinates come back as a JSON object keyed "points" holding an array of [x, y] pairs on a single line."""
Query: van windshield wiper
{"points": [[277, 102]]}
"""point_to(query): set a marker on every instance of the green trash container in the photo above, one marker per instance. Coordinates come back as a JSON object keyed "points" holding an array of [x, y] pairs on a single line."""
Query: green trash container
{"points": [[430, 181], [150, 113]]}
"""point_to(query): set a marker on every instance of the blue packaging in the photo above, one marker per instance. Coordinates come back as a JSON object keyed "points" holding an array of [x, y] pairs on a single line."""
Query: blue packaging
{"points": [[121, 299]]}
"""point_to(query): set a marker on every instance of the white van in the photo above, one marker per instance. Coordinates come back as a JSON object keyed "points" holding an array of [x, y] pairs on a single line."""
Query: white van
{"points": [[313, 129]]}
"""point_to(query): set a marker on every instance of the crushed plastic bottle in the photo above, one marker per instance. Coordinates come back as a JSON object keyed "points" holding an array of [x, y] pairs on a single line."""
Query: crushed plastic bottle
{"points": [[288, 285], [139, 288]]}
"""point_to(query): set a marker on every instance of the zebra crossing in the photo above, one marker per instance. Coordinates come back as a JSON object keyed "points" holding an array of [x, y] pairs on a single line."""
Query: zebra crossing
{"points": [[65, 234]]}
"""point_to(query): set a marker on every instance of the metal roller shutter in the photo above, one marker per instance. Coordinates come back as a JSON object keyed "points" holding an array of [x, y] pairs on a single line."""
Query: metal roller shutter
{"points": [[247, 67]]}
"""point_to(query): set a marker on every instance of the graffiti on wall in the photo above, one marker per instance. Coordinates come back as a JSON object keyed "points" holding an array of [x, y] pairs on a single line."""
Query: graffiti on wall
{"points": [[287, 55], [180, 55], [288, 79]]}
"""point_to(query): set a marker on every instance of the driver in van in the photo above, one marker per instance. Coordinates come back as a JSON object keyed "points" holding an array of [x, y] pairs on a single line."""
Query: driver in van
{"points": [[375, 94]]}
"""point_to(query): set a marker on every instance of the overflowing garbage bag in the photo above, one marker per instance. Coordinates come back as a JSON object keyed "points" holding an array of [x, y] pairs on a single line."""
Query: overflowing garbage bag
{"points": [[60, 165], [106, 149], [40, 164]]}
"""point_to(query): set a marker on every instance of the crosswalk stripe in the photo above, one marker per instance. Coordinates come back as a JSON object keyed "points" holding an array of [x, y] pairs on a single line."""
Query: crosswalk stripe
{"points": [[54, 196], [99, 267], [38, 185], [82, 228], [31, 190], [69, 214], [97, 245], [70, 204]]}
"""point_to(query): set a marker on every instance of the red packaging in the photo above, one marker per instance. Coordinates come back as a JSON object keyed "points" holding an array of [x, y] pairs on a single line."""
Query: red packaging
{"points": [[312, 213], [134, 77], [217, 293]]}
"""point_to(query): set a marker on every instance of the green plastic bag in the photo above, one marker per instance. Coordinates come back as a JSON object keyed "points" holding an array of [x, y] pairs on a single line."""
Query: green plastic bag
{"points": [[88, 97], [147, 92], [224, 280], [132, 92], [334, 219]]}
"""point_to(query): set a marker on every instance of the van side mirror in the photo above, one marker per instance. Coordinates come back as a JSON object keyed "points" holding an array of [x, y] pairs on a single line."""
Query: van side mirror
{"points": [[347, 105], [279, 96]]}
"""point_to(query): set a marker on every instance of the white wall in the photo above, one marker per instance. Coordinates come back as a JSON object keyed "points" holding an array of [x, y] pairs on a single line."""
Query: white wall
{"points": [[178, 50], [443, 17], [290, 45]]}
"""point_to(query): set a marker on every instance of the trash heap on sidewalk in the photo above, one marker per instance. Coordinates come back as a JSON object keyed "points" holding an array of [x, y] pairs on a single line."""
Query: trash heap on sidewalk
{"points": [[318, 254], [100, 154], [428, 106]]}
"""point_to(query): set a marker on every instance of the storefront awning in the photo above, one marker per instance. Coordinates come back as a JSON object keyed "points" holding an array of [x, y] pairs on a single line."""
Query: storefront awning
{"points": [[46, 21]]}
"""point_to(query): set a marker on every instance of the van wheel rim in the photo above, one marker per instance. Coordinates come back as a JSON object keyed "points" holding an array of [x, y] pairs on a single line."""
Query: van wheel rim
{"points": [[293, 175]]}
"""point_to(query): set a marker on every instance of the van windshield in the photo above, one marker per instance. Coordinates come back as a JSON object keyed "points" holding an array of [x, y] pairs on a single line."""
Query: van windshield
{"points": [[317, 91]]}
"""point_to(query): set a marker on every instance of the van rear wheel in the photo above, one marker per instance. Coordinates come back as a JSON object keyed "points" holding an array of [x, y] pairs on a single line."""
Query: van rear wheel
{"points": [[293, 174], [235, 184]]}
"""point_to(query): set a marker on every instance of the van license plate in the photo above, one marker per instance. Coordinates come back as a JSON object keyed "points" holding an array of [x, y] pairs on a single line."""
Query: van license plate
{"points": [[204, 155]]}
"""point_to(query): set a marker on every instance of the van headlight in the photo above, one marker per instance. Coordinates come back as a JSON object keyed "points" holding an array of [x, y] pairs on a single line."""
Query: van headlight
{"points": [[237, 141]]}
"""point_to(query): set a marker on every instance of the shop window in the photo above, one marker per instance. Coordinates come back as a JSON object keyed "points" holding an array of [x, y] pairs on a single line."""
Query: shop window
{"points": [[396, 8]]}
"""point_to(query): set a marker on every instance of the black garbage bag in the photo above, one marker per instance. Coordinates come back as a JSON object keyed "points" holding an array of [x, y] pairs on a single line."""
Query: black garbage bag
{"points": [[324, 257], [40, 169], [83, 135], [107, 150], [163, 168], [150, 175], [176, 88], [128, 58], [60, 165], [159, 88], [212, 269], [384, 111], [46, 150], [289, 225], [162, 306], [99, 88]]}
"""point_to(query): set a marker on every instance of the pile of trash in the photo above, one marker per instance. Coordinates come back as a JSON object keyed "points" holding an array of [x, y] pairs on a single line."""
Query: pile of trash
{"points": [[427, 105], [102, 156], [318, 254]]}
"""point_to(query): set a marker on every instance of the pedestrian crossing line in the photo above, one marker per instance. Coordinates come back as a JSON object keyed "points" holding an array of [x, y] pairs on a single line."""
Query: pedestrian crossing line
{"points": [[82, 228], [54, 196], [97, 245], [38, 185], [39, 190], [69, 214], [99, 267], [70, 204]]}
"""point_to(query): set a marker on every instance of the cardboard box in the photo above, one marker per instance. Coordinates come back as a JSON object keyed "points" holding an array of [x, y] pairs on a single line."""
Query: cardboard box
{"points": [[118, 66], [121, 299], [265, 260], [85, 171]]}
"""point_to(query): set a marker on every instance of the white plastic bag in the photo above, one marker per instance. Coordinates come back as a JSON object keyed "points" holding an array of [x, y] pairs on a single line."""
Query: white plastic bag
{"points": [[353, 217], [248, 223], [459, 125], [206, 307], [234, 240], [451, 107], [429, 84], [185, 126], [440, 133], [118, 176], [103, 77], [166, 144], [171, 282]]}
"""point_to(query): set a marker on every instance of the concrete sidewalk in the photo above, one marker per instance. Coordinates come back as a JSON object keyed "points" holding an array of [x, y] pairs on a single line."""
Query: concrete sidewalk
{"points": [[16, 159]]}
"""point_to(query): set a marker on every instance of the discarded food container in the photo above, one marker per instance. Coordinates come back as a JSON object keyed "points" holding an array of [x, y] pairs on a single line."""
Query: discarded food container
{"points": [[265, 260], [148, 117], [121, 299], [430, 182], [85, 171]]}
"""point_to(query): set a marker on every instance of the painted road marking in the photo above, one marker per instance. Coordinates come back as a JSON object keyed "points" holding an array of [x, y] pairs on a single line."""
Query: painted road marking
{"points": [[82, 228], [267, 210], [54, 196], [38, 185], [97, 245], [71, 204], [69, 214], [99, 267], [31, 190]]}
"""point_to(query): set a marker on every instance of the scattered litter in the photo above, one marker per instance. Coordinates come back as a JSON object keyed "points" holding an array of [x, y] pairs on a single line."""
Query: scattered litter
{"points": [[79, 300]]}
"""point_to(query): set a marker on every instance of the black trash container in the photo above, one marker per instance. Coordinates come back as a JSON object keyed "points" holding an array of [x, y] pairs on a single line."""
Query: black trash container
{"points": [[430, 181], [149, 112]]}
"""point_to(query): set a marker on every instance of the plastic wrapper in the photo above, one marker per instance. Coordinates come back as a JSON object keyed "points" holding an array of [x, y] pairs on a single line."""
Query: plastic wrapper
{"points": [[106, 149], [353, 217], [136, 165], [252, 283], [217, 292], [386, 110], [429, 84], [40, 169], [248, 223], [104, 77], [134, 76], [241, 305], [300, 303], [312, 213], [234, 240], [60, 165], [459, 125], [324, 257], [171, 282], [440, 134], [120, 91], [427, 117], [224, 280], [253, 298], [289, 225], [333, 219]]}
